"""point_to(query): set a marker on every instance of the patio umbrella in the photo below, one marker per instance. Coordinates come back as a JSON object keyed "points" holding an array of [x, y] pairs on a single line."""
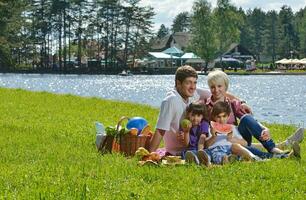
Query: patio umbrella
{"points": [[292, 62], [303, 61], [282, 61]]}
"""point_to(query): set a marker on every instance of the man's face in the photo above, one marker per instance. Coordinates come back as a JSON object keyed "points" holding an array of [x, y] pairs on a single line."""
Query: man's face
{"points": [[187, 87]]}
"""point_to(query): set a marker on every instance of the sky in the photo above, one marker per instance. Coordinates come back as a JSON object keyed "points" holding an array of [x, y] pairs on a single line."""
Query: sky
{"points": [[166, 10]]}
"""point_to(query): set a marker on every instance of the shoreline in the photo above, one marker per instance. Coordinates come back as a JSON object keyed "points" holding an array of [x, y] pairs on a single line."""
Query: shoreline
{"points": [[261, 73], [199, 73]]}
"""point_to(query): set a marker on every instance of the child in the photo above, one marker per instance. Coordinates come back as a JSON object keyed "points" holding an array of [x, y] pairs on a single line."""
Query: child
{"points": [[219, 145], [218, 83], [193, 136]]}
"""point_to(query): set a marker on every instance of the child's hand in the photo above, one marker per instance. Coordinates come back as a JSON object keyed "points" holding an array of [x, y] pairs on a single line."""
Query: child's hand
{"points": [[180, 136], [187, 129], [213, 131], [201, 143], [230, 136]]}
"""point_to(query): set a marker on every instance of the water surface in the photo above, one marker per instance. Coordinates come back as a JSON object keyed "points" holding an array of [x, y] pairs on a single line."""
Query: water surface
{"points": [[280, 99]]}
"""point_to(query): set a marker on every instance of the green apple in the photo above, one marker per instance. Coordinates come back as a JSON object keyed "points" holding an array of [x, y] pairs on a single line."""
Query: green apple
{"points": [[185, 124]]}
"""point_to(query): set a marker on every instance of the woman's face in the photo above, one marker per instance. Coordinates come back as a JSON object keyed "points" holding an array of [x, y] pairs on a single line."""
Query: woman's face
{"points": [[217, 90]]}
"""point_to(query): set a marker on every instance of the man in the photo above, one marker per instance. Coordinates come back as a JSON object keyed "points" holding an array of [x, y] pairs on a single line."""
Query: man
{"points": [[173, 107]]}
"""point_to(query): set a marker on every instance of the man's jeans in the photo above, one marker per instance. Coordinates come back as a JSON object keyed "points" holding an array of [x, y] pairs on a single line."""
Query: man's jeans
{"points": [[249, 127]]}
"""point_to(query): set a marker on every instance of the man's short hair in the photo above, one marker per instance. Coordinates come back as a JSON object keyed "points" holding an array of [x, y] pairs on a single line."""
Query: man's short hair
{"points": [[184, 72], [217, 77]]}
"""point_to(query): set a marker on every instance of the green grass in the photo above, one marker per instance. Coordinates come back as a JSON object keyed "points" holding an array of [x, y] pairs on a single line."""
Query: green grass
{"points": [[48, 152]]}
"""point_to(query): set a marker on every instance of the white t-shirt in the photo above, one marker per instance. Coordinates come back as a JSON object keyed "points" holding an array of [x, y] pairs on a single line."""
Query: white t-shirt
{"points": [[221, 139], [172, 111]]}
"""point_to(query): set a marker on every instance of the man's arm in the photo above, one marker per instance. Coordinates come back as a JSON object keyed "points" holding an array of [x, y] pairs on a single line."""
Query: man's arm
{"points": [[156, 139], [205, 94]]}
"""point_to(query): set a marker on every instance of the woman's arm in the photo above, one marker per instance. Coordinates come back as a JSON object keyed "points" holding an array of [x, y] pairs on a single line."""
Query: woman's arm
{"points": [[243, 106]]}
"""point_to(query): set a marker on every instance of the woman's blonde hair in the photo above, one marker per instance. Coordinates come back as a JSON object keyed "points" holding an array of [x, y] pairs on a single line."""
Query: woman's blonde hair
{"points": [[217, 77]]}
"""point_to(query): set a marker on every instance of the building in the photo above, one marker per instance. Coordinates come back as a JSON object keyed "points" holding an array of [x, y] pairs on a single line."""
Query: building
{"points": [[179, 40], [238, 52]]}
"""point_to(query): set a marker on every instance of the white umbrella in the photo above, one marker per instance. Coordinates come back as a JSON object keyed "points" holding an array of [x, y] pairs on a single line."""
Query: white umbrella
{"points": [[292, 61], [303, 61], [282, 61]]}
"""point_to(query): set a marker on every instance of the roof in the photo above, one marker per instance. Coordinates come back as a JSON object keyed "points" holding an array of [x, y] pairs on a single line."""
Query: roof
{"points": [[162, 43], [162, 55], [181, 39], [178, 39], [227, 60], [189, 55], [234, 47], [173, 50]]}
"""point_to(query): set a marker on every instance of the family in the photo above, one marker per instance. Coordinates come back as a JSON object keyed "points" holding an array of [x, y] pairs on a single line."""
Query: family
{"points": [[200, 142]]}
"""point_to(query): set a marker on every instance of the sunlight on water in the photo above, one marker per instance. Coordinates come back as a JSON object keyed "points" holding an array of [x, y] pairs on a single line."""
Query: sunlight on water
{"points": [[280, 99]]}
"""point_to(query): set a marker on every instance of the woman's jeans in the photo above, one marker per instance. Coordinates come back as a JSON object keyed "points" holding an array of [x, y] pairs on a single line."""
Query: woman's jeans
{"points": [[249, 127], [259, 153]]}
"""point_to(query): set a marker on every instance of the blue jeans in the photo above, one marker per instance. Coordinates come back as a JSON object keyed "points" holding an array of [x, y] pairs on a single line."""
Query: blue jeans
{"points": [[195, 151], [217, 153], [259, 153], [249, 127]]}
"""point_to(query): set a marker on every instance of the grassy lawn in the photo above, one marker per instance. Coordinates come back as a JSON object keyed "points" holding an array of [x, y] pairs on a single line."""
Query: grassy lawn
{"points": [[48, 152]]}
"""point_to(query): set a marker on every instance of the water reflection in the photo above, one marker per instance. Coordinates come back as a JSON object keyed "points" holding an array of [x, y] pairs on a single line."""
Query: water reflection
{"points": [[278, 99]]}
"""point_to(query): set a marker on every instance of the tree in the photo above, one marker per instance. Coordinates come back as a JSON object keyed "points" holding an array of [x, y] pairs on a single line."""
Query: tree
{"points": [[246, 31], [204, 41], [11, 34], [163, 31], [300, 26], [271, 34], [227, 26], [181, 23], [257, 21]]}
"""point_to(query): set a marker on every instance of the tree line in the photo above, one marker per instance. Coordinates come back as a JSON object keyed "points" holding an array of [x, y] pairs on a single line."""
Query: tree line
{"points": [[268, 35], [39, 33]]}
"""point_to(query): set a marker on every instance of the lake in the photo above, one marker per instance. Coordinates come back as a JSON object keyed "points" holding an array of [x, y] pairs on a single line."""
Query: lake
{"points": [[273, 98]]}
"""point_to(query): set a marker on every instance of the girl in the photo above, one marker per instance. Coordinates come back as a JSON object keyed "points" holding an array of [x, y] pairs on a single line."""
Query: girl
{"points": [[193, 135]]}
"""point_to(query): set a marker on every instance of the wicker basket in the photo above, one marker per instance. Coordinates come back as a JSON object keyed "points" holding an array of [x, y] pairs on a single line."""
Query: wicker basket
{"points": [[130, 143], [107, 145]]}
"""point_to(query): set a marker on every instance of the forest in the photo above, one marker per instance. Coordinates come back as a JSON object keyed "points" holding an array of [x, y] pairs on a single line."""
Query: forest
{"points": [[109, 35]]}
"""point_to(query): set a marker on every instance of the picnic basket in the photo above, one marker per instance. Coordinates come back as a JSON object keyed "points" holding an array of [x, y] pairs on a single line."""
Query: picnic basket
{"points": [[109, 145], [128, 144]]}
